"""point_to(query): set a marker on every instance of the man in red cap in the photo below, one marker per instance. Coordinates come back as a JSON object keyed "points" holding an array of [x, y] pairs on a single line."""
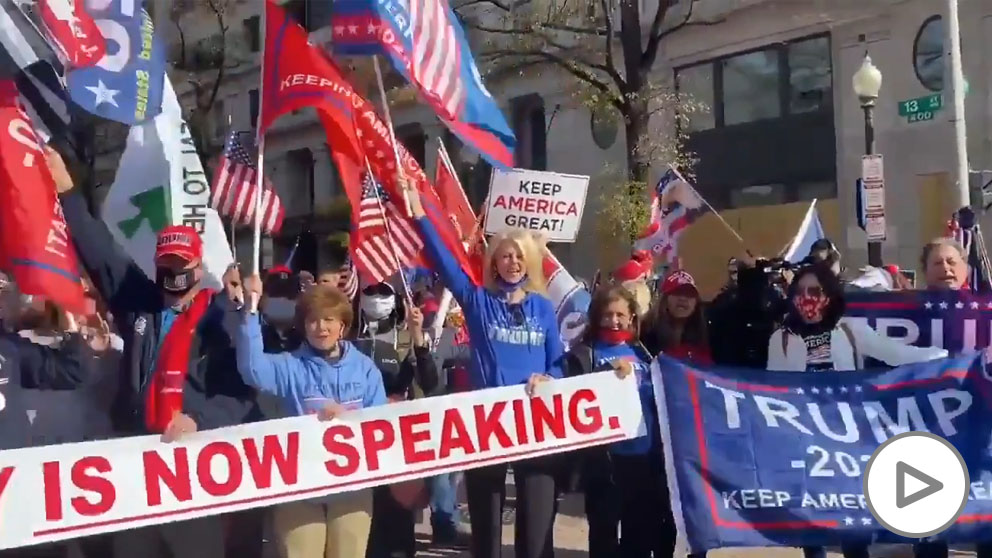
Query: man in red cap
{"points": [[170, 324]]}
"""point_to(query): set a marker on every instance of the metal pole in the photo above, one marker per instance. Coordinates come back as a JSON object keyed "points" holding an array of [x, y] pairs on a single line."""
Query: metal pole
{"points": [[874, 248], [957, 86]]}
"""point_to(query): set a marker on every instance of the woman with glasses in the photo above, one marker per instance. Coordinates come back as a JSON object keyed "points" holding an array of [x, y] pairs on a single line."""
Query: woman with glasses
{"points": [[814, 338], [513, 340]]}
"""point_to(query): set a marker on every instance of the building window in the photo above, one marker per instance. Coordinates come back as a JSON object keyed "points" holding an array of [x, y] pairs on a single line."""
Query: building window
{"points": [[928, 53], [221, 125], [253, 108], [252, 34], [810, 75], [751, 87], [530, 128], [696, 90], [414, 139], [792, 78]]}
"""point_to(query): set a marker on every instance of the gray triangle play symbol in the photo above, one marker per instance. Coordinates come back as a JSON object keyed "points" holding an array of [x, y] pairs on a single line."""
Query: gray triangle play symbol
{"points": [[933, 485]]}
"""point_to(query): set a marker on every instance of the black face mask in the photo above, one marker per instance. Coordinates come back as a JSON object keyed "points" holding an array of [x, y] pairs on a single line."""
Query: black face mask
{"points": [[175, 282]]}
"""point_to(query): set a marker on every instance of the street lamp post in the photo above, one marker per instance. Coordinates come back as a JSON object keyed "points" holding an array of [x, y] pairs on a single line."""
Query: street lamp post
{"points": [[867, 82]]}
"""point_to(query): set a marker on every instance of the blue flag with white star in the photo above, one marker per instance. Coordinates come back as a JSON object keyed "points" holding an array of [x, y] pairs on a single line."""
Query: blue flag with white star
{"points": [[126, 85], [756, 458]]}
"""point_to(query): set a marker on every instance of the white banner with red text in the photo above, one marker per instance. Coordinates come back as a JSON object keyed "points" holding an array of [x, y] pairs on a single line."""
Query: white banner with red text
{"points": [[113, 485]]}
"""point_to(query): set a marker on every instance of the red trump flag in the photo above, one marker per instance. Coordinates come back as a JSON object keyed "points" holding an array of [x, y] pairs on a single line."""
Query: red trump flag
{"points": [[34, 239], [298, 75]]}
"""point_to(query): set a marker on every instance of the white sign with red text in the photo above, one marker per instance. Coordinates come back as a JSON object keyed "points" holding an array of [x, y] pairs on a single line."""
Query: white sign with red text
{"points": [[112, 485], [546, 202]]}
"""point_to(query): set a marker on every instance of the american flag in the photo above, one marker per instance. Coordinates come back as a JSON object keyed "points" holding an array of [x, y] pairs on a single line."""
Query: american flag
{"points": [[436, 68], [385, 235], [233, 191], [348, 281]]}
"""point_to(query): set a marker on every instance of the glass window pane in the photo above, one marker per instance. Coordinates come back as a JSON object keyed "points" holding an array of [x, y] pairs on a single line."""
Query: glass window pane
{"points": [[751, 87], [928, 54], [809, 75], [696, 96]]}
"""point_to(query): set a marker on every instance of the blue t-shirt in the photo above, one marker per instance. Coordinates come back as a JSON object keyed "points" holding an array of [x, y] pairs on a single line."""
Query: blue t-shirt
{"points": [[608, 354], [509, 341]]}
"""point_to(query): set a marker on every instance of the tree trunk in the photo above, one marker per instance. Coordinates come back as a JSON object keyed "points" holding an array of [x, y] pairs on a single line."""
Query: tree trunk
{"points": [[636, 130]]}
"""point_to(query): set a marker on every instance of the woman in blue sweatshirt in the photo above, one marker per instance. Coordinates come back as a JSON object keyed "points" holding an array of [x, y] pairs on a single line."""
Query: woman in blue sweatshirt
{"points": [[326, 376], [514, 340], [624, 485]]}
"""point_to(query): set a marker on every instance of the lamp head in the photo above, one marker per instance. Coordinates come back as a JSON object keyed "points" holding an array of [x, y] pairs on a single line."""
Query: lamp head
{"points": [[867, 81]]}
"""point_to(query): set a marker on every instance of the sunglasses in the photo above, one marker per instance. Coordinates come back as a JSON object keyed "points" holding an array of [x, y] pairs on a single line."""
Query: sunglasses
{"points": [[814, 291], [379, 289]]}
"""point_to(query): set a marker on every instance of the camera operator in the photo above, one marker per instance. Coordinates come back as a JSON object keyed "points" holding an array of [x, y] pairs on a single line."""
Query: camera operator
{"points": [[742, 317]]}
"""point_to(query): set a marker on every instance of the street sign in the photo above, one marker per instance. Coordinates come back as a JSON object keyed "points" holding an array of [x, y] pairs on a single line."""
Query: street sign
{"points": [[921, 109], [873, 178]]}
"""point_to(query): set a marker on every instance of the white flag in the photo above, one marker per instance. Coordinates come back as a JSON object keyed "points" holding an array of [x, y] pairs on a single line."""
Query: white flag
{"points": [[160, 181]]}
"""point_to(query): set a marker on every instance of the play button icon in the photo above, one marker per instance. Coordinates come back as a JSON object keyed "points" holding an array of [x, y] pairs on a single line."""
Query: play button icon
{"points": [[916, 484], [906, 472]]}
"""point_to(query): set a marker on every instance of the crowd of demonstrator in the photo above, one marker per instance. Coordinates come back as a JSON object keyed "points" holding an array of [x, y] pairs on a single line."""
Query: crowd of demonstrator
{"points": [[318, 346]]}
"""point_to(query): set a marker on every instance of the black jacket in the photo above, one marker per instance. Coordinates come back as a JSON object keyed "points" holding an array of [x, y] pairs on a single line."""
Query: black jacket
{"points": [[741, 319], [25, 365], [214, 394], [398, 376]]}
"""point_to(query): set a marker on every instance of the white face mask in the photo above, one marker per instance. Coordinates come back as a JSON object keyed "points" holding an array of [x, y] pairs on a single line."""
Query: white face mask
{"points": [[377, 307], [279, 310]]}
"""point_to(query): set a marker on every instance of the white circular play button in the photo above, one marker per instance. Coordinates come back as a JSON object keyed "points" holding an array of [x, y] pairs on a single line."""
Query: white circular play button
{"points": [[916, 484]]}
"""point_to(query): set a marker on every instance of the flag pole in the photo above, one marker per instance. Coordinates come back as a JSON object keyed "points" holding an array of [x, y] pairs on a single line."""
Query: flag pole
{"points": [[260, 169], [715, 212], [233, 225], [446, 161], [392, 133]]}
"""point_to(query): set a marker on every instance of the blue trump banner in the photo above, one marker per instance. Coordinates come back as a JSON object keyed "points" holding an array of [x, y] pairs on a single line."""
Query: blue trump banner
{"points": [[958, 321], [758, 458], [126, 85]]}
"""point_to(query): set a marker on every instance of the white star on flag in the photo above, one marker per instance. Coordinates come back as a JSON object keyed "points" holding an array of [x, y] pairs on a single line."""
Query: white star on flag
{"points": [[799, 391], [814, 390], [843, 389], [928, 305], [829, 390], [989, 306], [848, 521], [857, 388], [103, 93], [866, 521], [339, 29], [974, 306], [959, 305], [943, 306], [379, 154], [353, 29], [372, 28]]}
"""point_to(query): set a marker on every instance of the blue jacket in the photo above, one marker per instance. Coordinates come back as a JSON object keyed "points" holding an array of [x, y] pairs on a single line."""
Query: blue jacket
{"points": [[214, 394], [304, 379], [509, 341]]}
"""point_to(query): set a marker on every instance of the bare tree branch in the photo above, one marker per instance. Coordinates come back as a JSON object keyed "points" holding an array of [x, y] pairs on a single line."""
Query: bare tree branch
{"points": [[657, 34], [219, 12], [610, 63], [571, 66], [503, 6], [573, 29]]}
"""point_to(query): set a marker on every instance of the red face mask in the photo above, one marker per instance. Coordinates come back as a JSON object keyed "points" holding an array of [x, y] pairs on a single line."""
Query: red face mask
{"points": [[810, 308], [615, 336]]}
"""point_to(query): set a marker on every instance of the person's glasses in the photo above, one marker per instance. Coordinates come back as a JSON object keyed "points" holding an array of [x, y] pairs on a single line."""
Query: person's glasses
{"points": [[813, 291]]}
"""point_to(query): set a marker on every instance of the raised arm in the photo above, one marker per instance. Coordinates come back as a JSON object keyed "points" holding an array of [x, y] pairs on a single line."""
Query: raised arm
{"points": [[120, 281], [272, 373], [452, 274]]}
